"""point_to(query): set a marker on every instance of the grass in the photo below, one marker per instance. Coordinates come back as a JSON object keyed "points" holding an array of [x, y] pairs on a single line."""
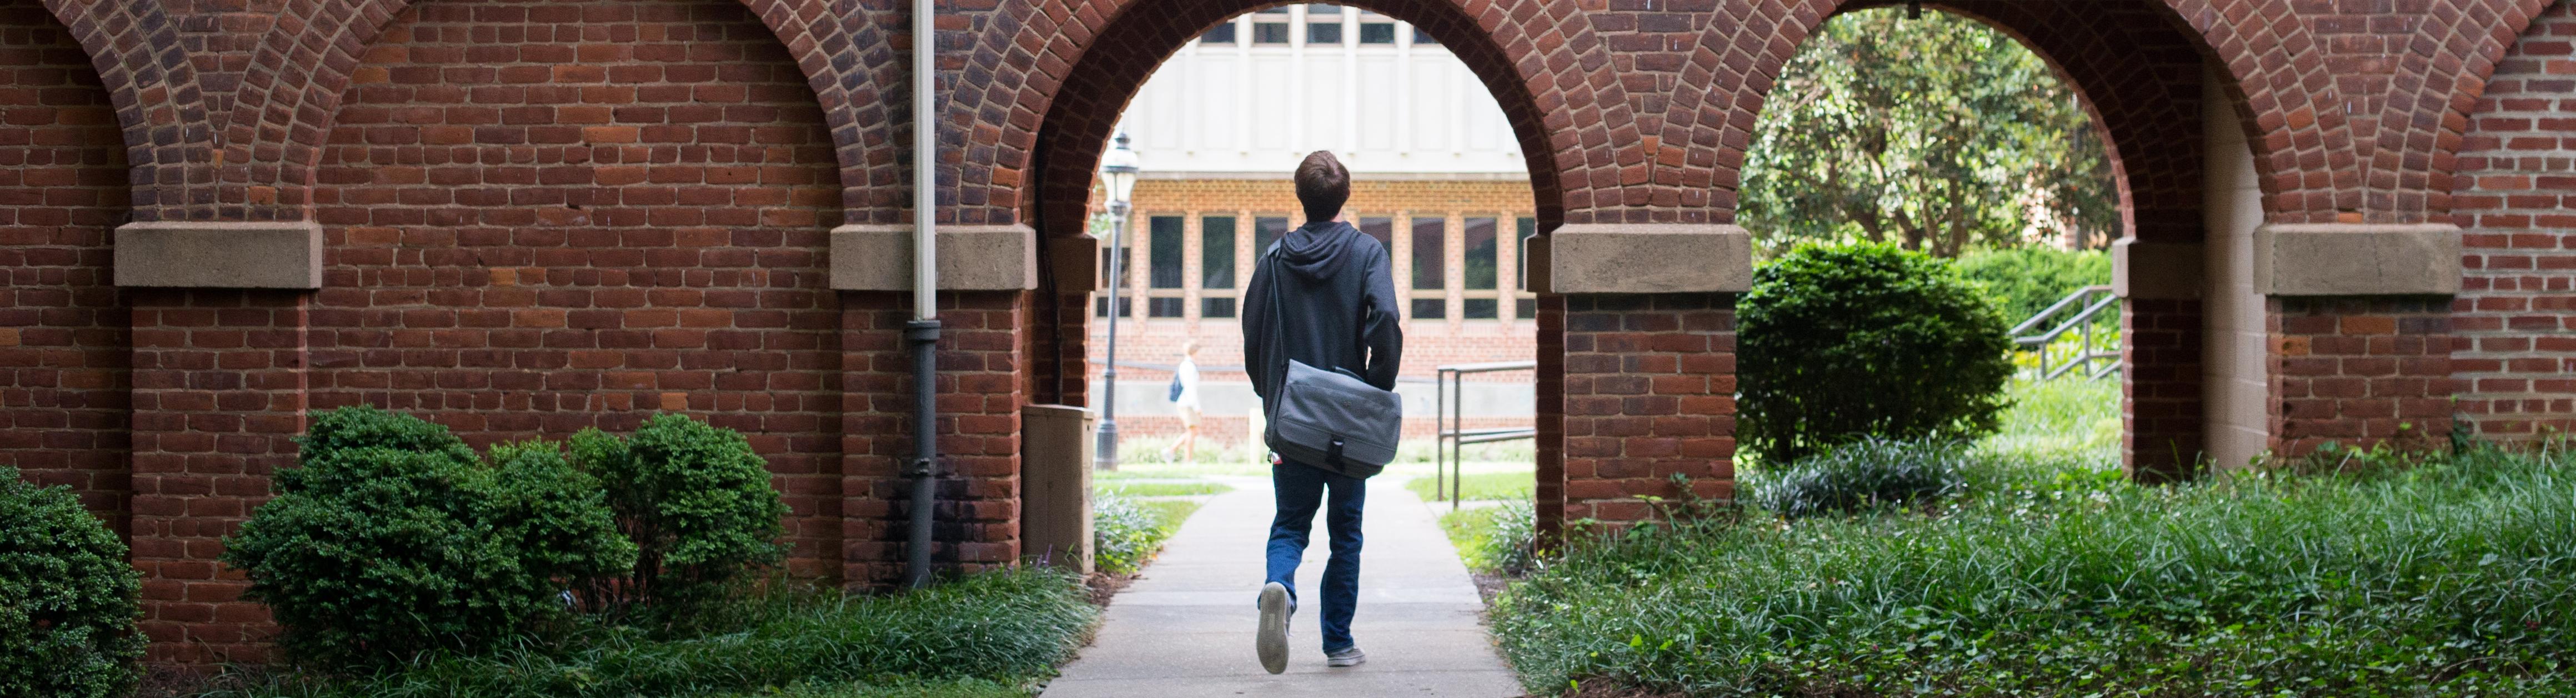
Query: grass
{"points": [[1154, 488], [2454, 577], [1512, 485], [990, 634]]}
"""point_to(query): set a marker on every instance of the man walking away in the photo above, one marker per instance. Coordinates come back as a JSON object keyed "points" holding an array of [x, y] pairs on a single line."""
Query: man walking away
{"points": [[1336, 311]]}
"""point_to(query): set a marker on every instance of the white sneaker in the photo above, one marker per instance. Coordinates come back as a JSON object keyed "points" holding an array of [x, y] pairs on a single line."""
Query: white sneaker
{"points": [[1347, 656], [1272, 639]]}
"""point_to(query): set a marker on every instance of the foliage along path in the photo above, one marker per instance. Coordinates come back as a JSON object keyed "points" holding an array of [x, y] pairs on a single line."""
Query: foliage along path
{"points": [[1185, 627]]}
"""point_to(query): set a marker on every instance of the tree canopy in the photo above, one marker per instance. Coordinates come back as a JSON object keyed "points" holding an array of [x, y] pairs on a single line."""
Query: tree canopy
{"points": [[1936, 133]]}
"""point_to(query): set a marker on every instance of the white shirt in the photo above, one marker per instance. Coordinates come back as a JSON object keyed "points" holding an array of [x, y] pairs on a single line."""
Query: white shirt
{"points": [[1188, 373]]}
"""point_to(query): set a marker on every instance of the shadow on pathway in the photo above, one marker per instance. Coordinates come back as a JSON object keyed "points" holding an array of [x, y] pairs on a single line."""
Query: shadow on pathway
{"points": [[1185, 627]]}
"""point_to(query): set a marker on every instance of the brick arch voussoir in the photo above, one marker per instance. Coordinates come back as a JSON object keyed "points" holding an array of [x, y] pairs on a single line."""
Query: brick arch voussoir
{"points": [[135, 49], [2302, 142], [301, 72], [1725, 84], [1043, 125], [2469, 46]]}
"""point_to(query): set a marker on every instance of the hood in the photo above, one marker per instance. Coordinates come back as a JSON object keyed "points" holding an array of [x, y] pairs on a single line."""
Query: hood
{"points": [[1316, 249]]}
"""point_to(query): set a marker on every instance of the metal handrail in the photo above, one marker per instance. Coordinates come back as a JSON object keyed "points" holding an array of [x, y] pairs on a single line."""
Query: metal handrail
{"points": [[1449, 425], [2089, 351]]}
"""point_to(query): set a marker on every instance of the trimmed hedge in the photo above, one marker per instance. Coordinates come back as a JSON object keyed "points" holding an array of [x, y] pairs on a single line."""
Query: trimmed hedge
{"points": [[391, 538], [67, 597], [1842, 342], [696, 502]]}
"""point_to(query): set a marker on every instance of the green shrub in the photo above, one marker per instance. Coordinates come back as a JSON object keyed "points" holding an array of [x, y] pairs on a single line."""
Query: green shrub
{"points": [[1125, 533], [1002, 627], [1862, 475], [2453, 578], [1500, 539], [2024, 280], [67, 597], [696, 502], [391, 538], [1839, 342]]}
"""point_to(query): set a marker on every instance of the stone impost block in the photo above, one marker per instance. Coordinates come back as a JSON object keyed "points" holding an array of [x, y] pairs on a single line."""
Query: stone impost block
{"points": [[1534, 265], [1075, 263], [1649, 258], [2357, 259], [2157, 270], [971, 258], [231, 254]]}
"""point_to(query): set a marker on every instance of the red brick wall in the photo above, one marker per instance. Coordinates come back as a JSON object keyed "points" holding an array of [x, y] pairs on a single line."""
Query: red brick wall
{"points": [[219, 391], [2363, 371], [2515, 321], [545, 218], [64, 384], [446, 303], [2160, 402], [1649, 386]]}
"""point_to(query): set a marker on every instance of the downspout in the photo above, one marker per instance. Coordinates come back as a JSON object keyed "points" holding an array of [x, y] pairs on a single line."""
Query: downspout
{"points": [[923, 332]]}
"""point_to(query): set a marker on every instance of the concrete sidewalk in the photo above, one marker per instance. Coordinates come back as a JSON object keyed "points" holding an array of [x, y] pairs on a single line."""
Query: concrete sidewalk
{"points": [[1185, 627]]}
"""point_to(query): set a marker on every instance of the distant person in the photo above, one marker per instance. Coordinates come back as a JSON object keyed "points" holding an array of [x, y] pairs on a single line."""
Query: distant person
{"points": [[1336, 311], [1185, 401]]}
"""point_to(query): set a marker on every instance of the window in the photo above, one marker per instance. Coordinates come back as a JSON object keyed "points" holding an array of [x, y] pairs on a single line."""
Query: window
{"points": [[1373, 33], [1482, 260], [1423, 38], [1430, 254], [1216, 266], [1100, 303], [1219, 34], [1430, 269], [1482, 255], [1166, 251], [1382, 230], [1270, 26], [1524, 299], [1163, 307], [1216, 252], [1267, 230], [1480, 309], [1430, 308], [1324, 33]]}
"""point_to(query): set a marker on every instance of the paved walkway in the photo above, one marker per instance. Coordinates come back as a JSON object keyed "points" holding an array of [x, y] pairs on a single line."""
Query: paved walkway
{"points": [[1185, 627]]}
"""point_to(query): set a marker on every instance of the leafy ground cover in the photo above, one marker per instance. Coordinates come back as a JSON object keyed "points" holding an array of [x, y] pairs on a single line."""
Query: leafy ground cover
{"points": [[1127, 531], [992, 634], [2052, 576], [1163, 488]]}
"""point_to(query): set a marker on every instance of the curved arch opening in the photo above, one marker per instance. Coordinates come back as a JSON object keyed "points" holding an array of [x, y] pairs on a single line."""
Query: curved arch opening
{"points": [[1452, 172], [2171, 132]]}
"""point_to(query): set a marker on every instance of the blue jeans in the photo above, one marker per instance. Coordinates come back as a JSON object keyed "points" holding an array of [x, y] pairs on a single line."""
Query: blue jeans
{"points": [[1301, 489]]}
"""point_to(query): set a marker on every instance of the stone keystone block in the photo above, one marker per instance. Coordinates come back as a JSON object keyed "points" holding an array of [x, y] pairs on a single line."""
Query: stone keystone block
{"points": [[971, 258], [2357, 259], [233, 254], [1649, 258]]}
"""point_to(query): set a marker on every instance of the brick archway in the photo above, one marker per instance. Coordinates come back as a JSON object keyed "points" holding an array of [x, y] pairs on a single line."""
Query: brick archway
{"points": [[136, 52], [1554, 79], [302, 69], [65, 337]]}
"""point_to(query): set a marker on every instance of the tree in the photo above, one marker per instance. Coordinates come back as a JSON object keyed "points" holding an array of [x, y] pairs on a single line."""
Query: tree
{"points": [[1934, 133]]}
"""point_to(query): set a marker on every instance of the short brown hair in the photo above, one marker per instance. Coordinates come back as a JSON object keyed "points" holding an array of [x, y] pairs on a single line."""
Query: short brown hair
{"points": [[1322, 185]]}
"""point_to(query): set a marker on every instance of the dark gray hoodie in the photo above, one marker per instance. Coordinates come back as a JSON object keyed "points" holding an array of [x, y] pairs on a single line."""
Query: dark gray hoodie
{"points": [[1336, 307]]}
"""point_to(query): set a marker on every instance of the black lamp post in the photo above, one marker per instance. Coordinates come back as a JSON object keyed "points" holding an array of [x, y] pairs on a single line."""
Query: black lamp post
{"points": [[1118, 170]]}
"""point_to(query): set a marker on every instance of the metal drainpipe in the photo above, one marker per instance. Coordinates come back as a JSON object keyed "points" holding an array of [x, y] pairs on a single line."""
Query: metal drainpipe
{"points": [[923, 332]]}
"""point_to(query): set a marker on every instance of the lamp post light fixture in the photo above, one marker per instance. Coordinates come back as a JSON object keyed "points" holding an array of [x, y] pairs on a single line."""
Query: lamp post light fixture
{"points": [[1118, 170]]}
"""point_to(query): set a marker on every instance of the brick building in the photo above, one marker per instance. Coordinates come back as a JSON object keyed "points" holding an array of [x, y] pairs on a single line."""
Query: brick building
{"points": [[2341, 221]]}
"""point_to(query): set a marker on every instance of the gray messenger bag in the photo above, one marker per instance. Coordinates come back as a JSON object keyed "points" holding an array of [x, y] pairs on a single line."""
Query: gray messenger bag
{"points": [[1331, 419]]}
